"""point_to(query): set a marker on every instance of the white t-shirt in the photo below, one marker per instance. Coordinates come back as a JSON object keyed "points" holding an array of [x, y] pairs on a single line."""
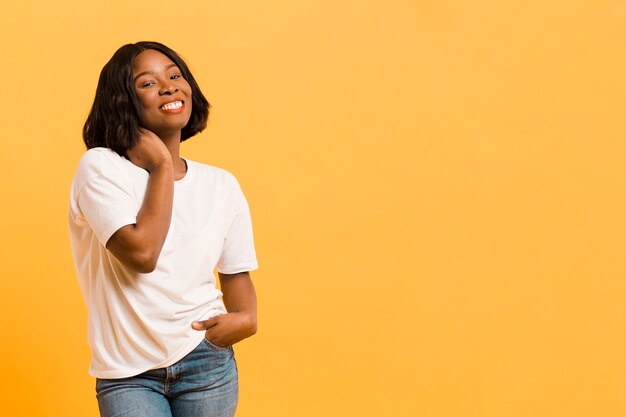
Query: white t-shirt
{"points": [[140, 321]]}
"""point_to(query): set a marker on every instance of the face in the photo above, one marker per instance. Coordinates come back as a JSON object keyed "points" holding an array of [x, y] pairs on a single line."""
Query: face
{"points": [[163, 92]]}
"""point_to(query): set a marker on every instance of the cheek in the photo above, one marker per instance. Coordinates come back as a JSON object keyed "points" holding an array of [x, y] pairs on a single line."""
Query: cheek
{"points": [[187, 89], [142, 103], [147, 106]]}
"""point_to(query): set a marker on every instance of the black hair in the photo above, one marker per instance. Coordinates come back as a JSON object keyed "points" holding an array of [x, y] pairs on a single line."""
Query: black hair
{"points": [[115, 117]]}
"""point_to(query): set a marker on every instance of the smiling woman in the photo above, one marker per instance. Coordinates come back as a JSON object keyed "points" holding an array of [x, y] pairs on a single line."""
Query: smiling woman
{"points": [[118, 110], [163, 93], [148, 228]]}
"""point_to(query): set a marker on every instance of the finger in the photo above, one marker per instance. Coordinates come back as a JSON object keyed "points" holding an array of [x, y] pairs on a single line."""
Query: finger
{"points": [[209, 334], [204, 324]]}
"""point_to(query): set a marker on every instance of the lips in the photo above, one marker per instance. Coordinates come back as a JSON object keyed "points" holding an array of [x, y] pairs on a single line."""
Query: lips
{"points": [[172, 105]]}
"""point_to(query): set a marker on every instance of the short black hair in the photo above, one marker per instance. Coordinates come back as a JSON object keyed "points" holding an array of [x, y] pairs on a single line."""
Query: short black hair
{"points": [[115, 117]]}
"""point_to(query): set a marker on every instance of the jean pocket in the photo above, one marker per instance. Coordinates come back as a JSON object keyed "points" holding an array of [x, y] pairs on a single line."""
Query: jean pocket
{"points": [[213, 346]]}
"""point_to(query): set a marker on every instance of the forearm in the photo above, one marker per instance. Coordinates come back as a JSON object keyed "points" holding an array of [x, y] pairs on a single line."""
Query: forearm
{"points": [[155, 214], [138, 246]]}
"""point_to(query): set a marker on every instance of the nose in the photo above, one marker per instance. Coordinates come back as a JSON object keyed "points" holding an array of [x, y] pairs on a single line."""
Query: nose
{"points": [[168, 89]]}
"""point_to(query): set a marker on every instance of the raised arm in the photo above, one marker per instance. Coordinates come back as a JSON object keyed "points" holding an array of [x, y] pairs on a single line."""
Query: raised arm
{"points": [[138, 245]]}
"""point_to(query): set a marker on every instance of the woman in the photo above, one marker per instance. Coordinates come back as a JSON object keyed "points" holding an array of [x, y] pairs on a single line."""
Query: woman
{"points": [[147, 229]]}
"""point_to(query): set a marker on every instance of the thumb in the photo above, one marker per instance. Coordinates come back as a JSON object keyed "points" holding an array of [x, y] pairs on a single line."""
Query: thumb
{"points": [[204, 324]]}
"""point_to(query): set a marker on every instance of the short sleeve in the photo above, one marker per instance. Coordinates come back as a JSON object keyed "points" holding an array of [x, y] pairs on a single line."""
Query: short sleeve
{"points": [[106, 204], [238, 253]]}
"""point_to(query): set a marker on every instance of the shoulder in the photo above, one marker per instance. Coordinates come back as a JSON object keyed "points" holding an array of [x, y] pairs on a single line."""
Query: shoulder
{"points": [[222, 184], [97, 161], [216, 175]]}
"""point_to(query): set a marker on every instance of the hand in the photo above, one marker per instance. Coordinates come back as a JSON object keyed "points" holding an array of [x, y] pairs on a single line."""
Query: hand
{"points": [[150, 152], [227, 329]]}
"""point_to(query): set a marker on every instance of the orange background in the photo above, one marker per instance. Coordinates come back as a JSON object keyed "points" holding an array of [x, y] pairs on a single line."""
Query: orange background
{"points": [[437, 189]]}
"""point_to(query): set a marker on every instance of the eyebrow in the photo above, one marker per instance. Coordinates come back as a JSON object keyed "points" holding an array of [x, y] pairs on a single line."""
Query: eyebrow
{"points": [[152, 72]]}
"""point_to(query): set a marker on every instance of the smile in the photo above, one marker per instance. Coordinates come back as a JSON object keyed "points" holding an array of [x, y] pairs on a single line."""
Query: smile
{"points": [[172, 106]]}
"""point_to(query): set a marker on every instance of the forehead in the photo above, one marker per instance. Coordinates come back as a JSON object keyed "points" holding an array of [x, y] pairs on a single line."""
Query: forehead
{"points": [[150, 60]]}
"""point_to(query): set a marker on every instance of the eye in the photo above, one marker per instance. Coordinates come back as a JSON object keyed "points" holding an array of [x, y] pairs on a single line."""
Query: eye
{"points": [[147, 84], [174, 76]]}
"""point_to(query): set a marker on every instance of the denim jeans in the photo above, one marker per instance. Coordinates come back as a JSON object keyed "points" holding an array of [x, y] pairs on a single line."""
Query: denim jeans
{"points": [[202, 384]]}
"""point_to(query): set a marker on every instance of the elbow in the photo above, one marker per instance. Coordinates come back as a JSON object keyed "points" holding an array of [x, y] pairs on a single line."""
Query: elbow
{"points": [[145, 268], [143, 262], [135, 251], [252, 325]]}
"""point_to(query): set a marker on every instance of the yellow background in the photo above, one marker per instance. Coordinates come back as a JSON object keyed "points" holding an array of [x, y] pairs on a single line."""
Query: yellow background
{"points": [[438, 191]]}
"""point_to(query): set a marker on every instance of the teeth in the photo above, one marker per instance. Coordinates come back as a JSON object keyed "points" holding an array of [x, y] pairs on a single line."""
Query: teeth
{"points": [[172, 106]]}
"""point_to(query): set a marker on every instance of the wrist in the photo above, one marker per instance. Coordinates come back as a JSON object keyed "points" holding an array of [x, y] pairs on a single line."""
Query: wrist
{"points": [[163, 166]]}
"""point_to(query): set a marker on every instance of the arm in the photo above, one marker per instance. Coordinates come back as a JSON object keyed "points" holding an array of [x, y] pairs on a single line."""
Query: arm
{"points": [[240, 321], [138, 245]]}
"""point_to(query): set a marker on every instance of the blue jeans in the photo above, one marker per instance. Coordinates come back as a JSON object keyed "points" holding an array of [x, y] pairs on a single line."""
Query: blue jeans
{"points": [[202, 384]]}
